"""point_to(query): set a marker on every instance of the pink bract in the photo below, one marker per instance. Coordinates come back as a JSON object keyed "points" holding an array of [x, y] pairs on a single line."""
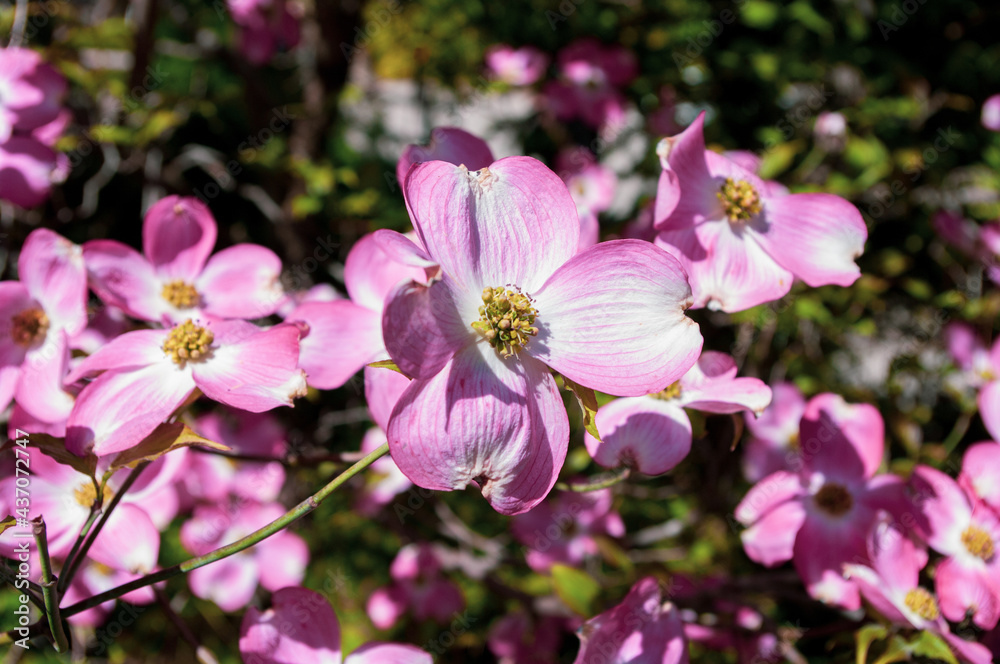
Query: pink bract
{"points": [[451, 144], [610, 318], [740, 244], [175, 278], [516, 66], [991, 113], [301, 627]]}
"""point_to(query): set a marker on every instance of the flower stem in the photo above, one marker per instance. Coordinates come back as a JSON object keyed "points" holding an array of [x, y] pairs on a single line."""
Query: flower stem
{"points": [[294, 514], [50, 592], [73, 562], [601, 482]]}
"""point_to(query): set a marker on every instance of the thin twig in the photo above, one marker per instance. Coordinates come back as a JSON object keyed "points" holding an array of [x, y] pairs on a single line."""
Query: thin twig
{"points": [[20, 23], [31, 590], [598, 483], [296, 513], [202, 654], [49, 590]]}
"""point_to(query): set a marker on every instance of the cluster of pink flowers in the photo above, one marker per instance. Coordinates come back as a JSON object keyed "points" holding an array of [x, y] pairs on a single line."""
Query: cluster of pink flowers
{"points": [[32, 119]]}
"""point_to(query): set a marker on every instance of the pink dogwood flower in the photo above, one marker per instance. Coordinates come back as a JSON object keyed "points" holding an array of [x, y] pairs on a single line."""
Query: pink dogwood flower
{"points": [[740, 245], [991, 113], [512, 300], [891, 584], [31, 92], [516, 66], [981, 368], [820, 515], [565, 529], [28, 168], [265, 26], [148, 374], [301, 627], [174, 279], [38, 316], [383, 481], [451, 144], [980, 476], [278, 561], [591, 77], [643, 628], [651, 434], [967, 531], [774, 435], [93, 578], [418, 586]]}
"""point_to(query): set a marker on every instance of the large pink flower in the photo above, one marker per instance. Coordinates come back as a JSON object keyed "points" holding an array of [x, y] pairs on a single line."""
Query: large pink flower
{"points": [[148, 374], [174, 279], [651, 434], [643, 628], [513, 300], [301, 627], [821, 515], [740, 244], [38, 315]]}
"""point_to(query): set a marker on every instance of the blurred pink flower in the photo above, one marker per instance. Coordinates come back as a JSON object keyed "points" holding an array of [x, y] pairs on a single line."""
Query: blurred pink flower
{"points": [[981, 369], [518, 639], [301, 627], [591, 77], [483, 405], [516, 66], [31, 92], [651, 434], [890, 583], [773, 444], [265, 26], [991, 113], [175, 278], [418, 587], [643, 628], [741, 244], [592, 187], [277, 561], [384, 480], [820, 515], [565, 529]]}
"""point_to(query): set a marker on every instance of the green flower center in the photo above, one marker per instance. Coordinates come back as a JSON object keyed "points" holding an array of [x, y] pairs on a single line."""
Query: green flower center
{"points": [[922, 603], [506, 319], [29, 326], [188, 342], [673, 391], [180, 294], [740, 200], [833, 499], [978, 542]]}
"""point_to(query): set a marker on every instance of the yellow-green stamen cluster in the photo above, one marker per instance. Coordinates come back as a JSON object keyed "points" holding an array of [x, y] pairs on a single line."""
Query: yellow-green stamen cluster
{"points": [[85, 494], [833, 499], [978, 542], [188, 341], [180, 294], [673, 391], [507, 319], [922, 603], [739, 200], [29, 326]]}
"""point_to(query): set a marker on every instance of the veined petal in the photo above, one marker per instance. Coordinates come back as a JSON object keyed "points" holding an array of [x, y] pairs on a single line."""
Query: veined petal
{"points": [[727, 267], [129, 541], [499, 423], [178, 235], [374, 652], [683, 160], [299, 627], [51, 268], [342, 338], [403, 250], [814, 236], [122, 278], [241, 282], [132, 350], [422, 327], [612, 318], [40, 388], [119, 409], [251, 368], [513, 223], [648, 435]]}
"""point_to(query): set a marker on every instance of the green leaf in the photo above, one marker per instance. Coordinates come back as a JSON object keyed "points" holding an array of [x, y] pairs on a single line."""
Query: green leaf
{"points": [[865, 637], [897, 651], [8, 522], [387, 364], [588, 402], [929, 644], [576, 588], [166, 438]]}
